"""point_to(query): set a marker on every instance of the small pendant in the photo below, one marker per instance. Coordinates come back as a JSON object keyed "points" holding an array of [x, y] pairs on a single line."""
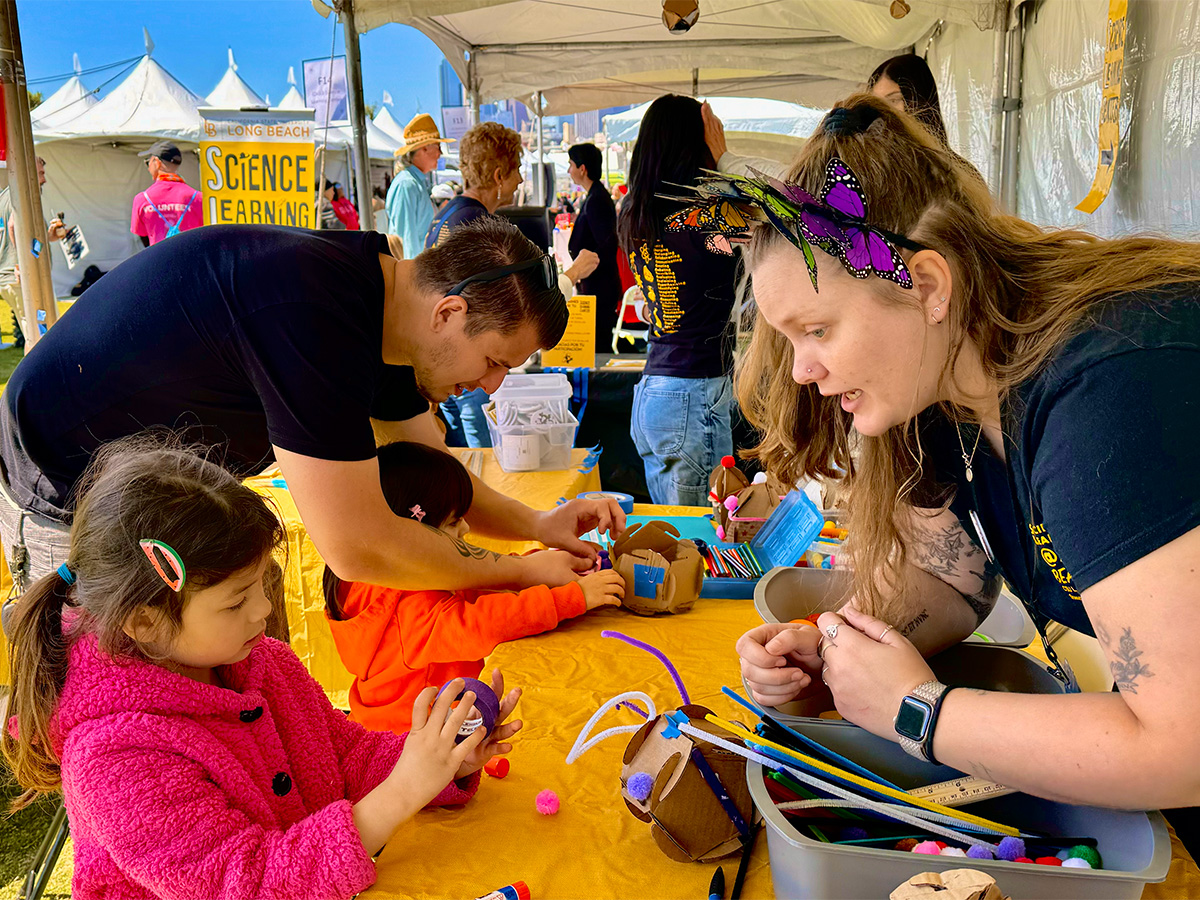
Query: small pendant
{"points": [[970, 474]]}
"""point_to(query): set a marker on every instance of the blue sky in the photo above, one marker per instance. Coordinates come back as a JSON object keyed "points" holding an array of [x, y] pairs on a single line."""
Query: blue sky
{"points": [[190, 39]]}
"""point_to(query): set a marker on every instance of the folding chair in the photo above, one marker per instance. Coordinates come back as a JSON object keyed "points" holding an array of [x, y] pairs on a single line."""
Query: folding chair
{"points": [[632, 299]]}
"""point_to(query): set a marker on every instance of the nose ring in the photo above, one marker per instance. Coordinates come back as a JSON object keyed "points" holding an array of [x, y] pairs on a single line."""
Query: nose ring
{"points": [[809, 371]]}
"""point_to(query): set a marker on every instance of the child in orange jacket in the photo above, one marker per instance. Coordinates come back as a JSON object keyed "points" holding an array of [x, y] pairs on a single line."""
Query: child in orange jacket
{"points": [[395, 643]]}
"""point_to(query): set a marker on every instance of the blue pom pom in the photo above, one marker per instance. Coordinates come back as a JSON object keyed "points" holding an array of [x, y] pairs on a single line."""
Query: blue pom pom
{"points": [[640, 785], [977, 852], [1011, 848], [854, 833]]}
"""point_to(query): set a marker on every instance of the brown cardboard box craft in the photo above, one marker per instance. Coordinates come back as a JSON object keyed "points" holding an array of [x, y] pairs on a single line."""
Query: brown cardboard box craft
{"points": [[662, 573], [754, 506], [953, 884], [724, 480], [688, 823]]}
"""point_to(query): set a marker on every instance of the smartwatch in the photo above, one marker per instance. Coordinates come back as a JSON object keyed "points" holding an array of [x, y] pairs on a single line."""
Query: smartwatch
{"points": [[917, 717]]}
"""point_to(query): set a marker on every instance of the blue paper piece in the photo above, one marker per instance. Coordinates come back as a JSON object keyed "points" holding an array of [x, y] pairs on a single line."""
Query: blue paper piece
{"points": [[646, 579], [279, 483]]}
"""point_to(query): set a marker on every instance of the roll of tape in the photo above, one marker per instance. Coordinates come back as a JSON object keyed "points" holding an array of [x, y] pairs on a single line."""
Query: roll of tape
{"points": [[623, 500], [487, 704]]}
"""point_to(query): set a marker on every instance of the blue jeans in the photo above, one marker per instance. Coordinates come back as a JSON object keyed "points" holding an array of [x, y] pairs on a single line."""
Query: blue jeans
{"points": [[681, 429], [466, 425]]}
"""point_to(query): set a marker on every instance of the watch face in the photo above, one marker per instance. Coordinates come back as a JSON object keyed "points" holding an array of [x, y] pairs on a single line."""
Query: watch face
{"points": [[912, 721]]}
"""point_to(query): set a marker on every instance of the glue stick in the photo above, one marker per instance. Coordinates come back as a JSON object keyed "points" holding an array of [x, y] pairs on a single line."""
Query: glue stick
{"points": [[518, 890]]}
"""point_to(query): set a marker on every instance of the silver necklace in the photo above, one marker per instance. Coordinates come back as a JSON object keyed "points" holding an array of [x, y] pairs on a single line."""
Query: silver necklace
{"points": [[967, 460]]}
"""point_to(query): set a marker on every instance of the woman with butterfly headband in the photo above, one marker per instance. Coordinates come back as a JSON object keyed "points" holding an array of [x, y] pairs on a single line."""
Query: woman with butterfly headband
{"points": [[681, 406], [1002, 401]]}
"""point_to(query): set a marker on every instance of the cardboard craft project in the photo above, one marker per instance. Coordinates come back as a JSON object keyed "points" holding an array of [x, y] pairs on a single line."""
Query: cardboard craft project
{"points": [[754, 506], [954, 884], [725, 479], [688, 823], [662, 573]]}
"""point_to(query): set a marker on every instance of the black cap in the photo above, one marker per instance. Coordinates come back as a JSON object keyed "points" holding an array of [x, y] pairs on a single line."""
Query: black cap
{"points": [[164, 150]]}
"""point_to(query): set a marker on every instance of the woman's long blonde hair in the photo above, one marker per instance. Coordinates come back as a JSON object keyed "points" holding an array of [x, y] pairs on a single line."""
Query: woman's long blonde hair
{"points": [[1019, 292]]}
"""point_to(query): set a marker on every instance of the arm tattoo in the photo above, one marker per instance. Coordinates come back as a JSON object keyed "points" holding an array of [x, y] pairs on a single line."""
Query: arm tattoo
{"points": [[983, 601], [951, 555], [914, 623], [465, 550], [1127, 667]]}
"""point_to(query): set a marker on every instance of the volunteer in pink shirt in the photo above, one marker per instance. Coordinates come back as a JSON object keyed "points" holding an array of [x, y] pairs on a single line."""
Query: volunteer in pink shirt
{"points": [[168, 206]]}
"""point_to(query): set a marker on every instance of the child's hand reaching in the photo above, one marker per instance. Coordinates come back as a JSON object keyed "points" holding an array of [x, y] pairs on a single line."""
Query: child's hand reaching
{"points": [[496, 744], [431, 759], [603, 588]]}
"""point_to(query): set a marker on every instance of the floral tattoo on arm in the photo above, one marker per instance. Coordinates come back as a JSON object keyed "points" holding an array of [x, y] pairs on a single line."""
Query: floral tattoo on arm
{"points": [[1127, 666], [465, 550], [951, 555]]}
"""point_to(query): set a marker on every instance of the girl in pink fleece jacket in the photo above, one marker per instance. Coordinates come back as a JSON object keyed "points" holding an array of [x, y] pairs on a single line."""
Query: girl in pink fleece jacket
{"points": [[198, 758]]}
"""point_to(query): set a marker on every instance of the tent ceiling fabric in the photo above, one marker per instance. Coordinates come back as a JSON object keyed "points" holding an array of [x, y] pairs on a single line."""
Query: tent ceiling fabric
{"points": [[805, 51]]}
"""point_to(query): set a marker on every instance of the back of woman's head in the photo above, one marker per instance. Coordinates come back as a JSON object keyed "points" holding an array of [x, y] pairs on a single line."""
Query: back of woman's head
{"points": [[918, 88], [670, 150], [134, 490], [484, 149], [419, 482], [1018, 293]]}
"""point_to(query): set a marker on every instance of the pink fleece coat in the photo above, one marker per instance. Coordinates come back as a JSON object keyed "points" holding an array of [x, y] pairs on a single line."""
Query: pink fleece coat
{"points": [[180, 789]]}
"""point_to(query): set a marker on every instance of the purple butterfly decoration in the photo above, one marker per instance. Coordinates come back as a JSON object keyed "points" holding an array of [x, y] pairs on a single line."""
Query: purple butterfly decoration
{"points": [[862, 249]]}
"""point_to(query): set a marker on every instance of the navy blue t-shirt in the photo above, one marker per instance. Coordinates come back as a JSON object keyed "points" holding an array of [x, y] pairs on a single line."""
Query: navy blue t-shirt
{"points": [[1101, 450], [458, 211], [239, 336]]}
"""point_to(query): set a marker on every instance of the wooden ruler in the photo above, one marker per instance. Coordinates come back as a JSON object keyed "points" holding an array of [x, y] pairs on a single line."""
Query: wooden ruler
{"points": [[961, 791]]}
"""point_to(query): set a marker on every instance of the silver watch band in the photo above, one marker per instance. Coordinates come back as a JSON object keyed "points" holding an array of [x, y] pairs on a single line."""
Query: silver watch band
{"points": [[928, 691]]}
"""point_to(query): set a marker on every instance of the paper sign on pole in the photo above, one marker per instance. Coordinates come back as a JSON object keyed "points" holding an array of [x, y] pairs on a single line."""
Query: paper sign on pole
{"points": [[1110, 106], [257, 167], [577, 349], [325, 89]]}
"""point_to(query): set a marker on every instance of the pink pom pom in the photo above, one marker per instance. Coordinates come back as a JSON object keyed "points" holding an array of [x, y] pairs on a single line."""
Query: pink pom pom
{"points": [[547, 802], [720, 533], [929, 848], [731, 503]]}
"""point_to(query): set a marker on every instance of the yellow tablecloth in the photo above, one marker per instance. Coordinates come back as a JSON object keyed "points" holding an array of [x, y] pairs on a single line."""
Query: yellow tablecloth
{"points": [[310, 634]]}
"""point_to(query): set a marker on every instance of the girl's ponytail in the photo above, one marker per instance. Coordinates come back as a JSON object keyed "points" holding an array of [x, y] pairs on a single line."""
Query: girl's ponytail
{"points": [[37, 650]]}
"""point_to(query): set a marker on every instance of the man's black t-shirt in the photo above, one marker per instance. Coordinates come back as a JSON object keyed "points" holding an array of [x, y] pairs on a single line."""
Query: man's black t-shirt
{"points": [[1101, 449], [238, 336], [689, 294]]}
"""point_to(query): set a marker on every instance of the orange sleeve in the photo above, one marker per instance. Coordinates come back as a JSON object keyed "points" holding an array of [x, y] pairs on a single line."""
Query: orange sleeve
{"points": [[469, 624]]}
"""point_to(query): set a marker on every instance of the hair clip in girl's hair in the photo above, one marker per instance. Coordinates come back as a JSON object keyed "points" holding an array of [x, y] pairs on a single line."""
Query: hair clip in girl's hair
{"points": [[159, 553], [417, 512]]}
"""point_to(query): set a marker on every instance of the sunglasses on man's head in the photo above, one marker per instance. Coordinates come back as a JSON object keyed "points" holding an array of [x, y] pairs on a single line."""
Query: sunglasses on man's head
{"points": [[544, 267]]}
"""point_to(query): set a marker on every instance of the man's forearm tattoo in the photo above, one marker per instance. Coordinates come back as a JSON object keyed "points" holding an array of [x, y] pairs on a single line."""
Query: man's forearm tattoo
{"points": [[465, 550], [1129, 664]]}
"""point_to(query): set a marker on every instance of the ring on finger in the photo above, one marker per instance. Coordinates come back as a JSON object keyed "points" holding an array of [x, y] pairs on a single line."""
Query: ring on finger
{"points": [[823, 671], [832, 630], [883, 633]]}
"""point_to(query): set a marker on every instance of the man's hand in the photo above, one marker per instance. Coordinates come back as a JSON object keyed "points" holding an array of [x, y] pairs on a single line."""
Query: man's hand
{"points": [[552, 567], [561, 526], [56, 231], [714, 132]]}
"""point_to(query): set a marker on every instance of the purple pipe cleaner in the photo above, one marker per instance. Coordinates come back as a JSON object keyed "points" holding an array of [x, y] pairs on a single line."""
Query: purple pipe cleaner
{"points": [[662, 657]]}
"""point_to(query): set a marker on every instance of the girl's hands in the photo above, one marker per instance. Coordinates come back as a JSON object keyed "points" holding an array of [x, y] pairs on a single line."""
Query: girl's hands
{"points": [[779, 661], [431, 759], [496, 744], [603, 588]]}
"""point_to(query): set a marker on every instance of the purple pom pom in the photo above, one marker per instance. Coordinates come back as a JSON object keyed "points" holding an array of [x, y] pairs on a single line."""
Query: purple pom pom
{"points": [[975, 851], [854, 833], [639, 786], [1011, 849]]}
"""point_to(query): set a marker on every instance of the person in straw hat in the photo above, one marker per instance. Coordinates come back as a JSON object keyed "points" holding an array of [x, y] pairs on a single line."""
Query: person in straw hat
{"points": [[409, 209]]}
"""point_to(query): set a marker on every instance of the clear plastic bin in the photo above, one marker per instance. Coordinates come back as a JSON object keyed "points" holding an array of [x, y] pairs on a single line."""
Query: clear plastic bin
{"points": [[531, 423]]}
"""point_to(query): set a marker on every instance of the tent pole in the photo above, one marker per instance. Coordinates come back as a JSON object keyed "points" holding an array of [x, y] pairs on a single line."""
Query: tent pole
{"points": [[541, 170], [1012, 114], [472, 92], [36, 291], [695, 82], [999, 67], [358, 116]]}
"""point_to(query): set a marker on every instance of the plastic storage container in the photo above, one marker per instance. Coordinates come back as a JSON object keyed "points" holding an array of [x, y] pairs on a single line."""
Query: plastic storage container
{"points": [[1134, 846], [531, 423]]}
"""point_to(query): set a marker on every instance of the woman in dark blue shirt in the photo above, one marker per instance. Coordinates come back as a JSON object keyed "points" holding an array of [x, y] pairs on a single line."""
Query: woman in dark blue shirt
{"points": [[595, 229]]}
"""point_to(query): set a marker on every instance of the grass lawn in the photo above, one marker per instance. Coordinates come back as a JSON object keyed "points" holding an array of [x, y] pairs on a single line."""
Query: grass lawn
{"points": [[21, 833]]}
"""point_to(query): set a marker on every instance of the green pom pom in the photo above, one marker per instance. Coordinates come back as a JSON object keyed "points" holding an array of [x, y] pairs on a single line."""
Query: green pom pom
{"points": [[1083, 851]]}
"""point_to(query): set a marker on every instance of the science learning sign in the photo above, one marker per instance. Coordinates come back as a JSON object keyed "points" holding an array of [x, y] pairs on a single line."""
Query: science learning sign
{"points": [[256, 167]]}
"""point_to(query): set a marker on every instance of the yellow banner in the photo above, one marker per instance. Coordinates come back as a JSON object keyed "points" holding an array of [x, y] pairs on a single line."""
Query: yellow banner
{"points": [[1110, 106], [577, 349], [256, 167]]}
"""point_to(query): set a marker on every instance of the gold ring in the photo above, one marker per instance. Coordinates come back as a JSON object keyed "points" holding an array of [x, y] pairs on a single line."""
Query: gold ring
{"points": [[884, 632]]}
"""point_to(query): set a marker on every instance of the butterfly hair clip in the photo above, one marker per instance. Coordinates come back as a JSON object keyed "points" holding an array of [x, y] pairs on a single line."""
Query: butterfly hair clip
{"points": [[728, 206]]}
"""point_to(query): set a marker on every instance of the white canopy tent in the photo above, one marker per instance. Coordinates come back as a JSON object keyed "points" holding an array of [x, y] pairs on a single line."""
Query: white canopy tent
{"points": [[388, 125], [66, 104], [232, 92], [805, 51], [739, 114], [93, 171]]}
